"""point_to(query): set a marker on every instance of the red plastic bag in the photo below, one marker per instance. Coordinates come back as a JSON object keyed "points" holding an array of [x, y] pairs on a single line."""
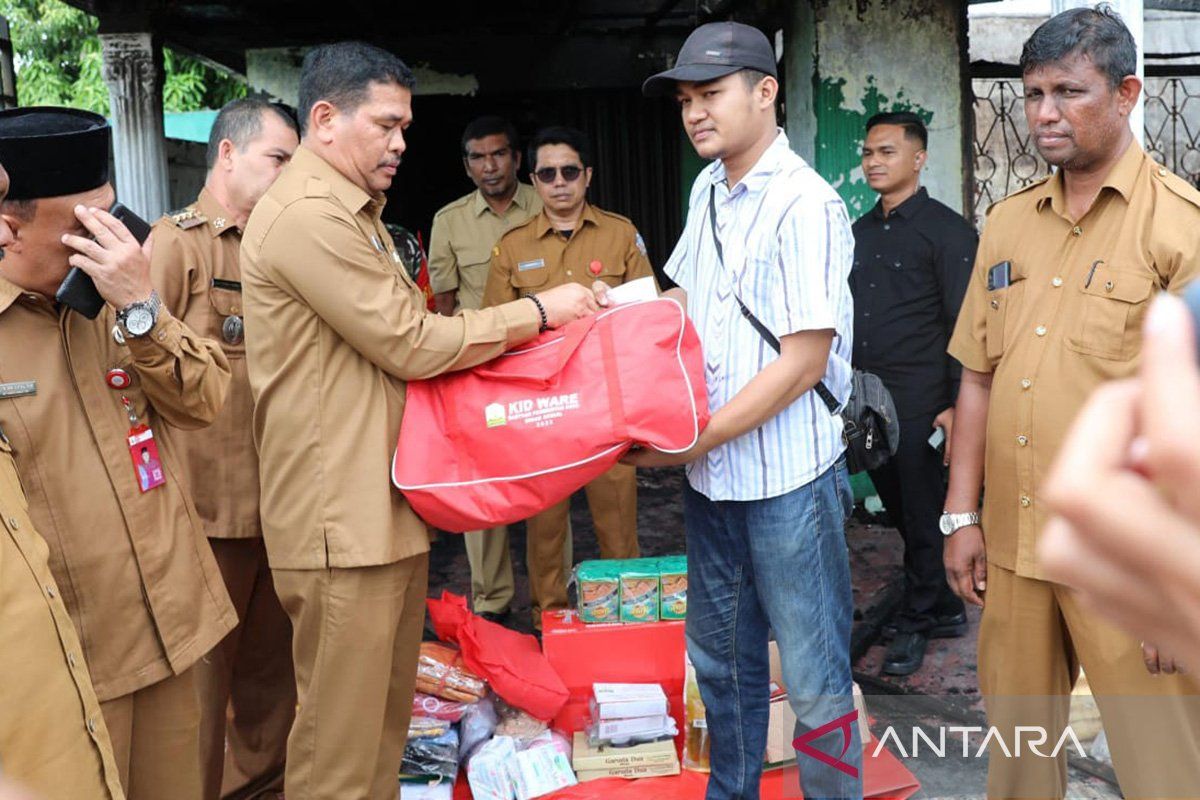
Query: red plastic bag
{"points": [[511, 662], [512, 437]]}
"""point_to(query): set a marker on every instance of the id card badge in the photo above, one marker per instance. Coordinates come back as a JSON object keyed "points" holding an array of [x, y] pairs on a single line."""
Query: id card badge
{"points": [[144, 451]]}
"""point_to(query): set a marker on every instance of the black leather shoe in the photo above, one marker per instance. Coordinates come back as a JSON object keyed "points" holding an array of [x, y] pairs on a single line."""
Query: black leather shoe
{"points": [[905, 654], [498, 617], [948, 626]]}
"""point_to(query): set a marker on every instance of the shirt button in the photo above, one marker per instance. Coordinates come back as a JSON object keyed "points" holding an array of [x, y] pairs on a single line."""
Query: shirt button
{"points": [[162, 336], [71, 659], [1026, 383], [1025, 502], [1022, 440], [1077, 231], [50, 591], [1057, 282], [91, 725], [12, 523], [568, 272], [887, 227], [872, 286], [995, 304], [1041, 330], [1162, 170]]}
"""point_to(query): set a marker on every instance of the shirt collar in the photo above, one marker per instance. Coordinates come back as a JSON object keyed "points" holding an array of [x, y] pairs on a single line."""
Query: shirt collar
{"points": [[589, 216], [762, 171], [1121, 179], [219, 220], [521, 199], [907, 209], [346, 191], [9, 292]]}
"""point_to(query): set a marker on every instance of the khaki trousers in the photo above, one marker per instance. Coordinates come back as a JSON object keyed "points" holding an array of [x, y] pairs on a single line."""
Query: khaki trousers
{"points": [[356, 634], [155, 738], [246, 684], [491, 569], [1032, 641], [612, 499]]}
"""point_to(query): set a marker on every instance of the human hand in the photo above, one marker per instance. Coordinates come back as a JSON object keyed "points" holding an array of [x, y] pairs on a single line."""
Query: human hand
{"points": [[567, 303], [965, 559], [116, 263], [1160, 662], [600, 290], [945, 421]]}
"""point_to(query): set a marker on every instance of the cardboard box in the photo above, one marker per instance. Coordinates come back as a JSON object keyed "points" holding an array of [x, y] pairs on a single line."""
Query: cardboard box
{"points": [[627, 700], [600, 758], [655, 771], [632, 726]]}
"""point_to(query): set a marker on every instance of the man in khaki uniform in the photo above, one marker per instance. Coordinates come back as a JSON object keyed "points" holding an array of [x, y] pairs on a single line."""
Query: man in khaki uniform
{"points": [[52, 734], [460, 249], [570, 241], [81, 397], [334, 330], [1064, 275], [195, 267]]}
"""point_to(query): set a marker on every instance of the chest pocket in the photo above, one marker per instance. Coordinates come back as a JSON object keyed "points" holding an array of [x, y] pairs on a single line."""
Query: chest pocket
{"points": [[228, 325], [532, 278], [1108, 318], [1003, 311], [611, 272]]}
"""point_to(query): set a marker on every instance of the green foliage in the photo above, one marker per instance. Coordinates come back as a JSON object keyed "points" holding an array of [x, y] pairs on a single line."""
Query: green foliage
{"points": [[59, 63]]}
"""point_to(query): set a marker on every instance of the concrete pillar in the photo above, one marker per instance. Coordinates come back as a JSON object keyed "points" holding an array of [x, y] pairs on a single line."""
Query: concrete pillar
{"points": [[1133, 13], [132, 73], [799, 69]]}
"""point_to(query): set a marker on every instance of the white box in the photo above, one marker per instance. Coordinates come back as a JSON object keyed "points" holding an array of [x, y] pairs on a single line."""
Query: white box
{"points": [[630, 726], [626, 700]]}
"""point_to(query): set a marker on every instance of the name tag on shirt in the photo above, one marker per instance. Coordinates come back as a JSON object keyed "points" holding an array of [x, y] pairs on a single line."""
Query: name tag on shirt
{"points": [[525, 266], [17, 389]]}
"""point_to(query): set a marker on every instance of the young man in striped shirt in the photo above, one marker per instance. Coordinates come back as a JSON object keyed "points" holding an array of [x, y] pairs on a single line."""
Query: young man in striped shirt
{"points": [[767, 491]]}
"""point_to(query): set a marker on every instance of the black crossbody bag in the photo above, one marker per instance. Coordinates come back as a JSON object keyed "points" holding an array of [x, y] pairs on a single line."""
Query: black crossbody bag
{"points": [[864, 429]]}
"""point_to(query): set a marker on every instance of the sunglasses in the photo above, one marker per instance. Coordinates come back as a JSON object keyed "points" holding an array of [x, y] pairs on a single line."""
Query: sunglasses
{"points": [[569, 173]]}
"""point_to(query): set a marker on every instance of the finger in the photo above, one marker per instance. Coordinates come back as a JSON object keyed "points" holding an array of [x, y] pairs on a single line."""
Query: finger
{"points": [[86, 264], [148, 246], [1171, 401], [946, 451], [81, 244], [108, 225], [1150, 658], [980, 574]]}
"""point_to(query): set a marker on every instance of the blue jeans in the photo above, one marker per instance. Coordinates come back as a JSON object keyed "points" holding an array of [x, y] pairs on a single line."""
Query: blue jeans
{"points": [[777, 564]]}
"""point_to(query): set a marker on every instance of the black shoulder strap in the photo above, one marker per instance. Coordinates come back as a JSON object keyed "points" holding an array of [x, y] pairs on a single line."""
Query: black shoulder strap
{"points": [[821, 389]]}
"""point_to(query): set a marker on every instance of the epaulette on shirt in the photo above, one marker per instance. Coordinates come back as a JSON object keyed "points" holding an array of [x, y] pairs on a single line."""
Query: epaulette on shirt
{"points": [[1020, 191], [186, 218], [1177, 185]]}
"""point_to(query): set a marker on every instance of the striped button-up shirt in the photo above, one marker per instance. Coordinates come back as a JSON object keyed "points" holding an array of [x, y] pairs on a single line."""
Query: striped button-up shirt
{"points": [[787, 254]]}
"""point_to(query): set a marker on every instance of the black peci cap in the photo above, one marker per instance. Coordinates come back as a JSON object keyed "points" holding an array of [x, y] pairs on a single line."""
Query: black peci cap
{"points": [[713, 51], [50, 151]]}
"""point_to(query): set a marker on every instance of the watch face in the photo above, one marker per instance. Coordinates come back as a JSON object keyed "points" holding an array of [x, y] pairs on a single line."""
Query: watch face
{"points": [[139, 321], [944, 524]]}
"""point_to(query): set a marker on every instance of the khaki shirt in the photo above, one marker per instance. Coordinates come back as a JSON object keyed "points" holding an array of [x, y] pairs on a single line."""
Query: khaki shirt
{"points": [[195, 268], [1070, 320], [52, 735], [334, 330], [134, 568], [464, 233], [534, 257]]}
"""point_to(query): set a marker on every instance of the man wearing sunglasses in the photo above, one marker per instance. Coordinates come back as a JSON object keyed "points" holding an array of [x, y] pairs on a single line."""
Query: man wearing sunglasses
{"points": [[570, 241]]}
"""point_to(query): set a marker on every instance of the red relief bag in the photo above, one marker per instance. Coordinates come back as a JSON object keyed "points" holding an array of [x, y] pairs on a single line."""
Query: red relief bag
{"points": [[508, 439]]}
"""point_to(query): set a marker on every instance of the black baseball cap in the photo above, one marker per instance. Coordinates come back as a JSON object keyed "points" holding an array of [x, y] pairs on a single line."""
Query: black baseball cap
{"points": [[713, 51]]}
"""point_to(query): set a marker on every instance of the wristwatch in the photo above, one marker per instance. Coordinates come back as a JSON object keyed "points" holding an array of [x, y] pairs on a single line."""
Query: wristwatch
{"points": [[138, 318], [949, 523]]}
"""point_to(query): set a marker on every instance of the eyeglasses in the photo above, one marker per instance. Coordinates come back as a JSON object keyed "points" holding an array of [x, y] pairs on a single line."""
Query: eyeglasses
{"points": [[569, 173]]}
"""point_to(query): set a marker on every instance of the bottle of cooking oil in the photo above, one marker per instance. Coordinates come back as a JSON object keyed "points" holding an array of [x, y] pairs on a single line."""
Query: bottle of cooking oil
{"points": [[696, 743]]}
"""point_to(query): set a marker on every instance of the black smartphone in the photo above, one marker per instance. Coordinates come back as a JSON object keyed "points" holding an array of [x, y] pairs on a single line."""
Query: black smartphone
{"points": [[999, 276], [78, 290]]}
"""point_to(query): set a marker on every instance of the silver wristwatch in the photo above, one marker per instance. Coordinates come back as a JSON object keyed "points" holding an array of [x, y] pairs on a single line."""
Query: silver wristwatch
{"points": [[138, 318], [949, 523]]}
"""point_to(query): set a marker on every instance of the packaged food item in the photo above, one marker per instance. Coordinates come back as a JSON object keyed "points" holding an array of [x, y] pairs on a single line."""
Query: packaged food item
{"points": [[516, 723], [598, 586], [488, 773], [654, 771], [441, 672], [434, 757], [603, 758], [426, 705], [478, 724], [617, 729], [665, 731], [427, 728], [639, 590], [672, 572], [624, 700], [540, 770], [696, 745]]}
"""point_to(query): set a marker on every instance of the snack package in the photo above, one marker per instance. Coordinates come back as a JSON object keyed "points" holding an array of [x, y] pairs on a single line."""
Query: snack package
{"points": [[427, 728], [540, 770], [434, 757], [598, 585], [696, 745], [441, 672], [426, 705], [596, 737], [639, 590], [487, 771], [672, 571], [478, 724], [516, 723]]}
